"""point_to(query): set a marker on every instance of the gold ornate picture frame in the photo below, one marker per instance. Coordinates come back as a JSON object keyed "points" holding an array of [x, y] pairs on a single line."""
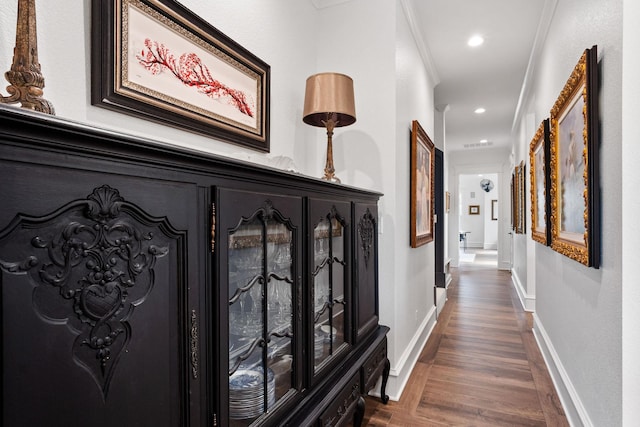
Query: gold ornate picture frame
{"points": [[518, 199], [422, 186], [514, 200], [575, 198], [540, 181], [157, 60]]}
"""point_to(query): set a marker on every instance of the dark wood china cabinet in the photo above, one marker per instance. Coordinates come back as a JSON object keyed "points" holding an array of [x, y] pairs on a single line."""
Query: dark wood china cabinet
{"points": [[144, 284]]}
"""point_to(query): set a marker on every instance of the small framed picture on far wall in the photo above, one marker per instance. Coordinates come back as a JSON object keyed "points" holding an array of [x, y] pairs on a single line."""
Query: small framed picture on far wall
{"points": [[474, 209]]}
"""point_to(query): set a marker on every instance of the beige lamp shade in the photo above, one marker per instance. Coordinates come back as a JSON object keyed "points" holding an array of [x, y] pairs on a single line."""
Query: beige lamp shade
{"points": [[329, 95]]}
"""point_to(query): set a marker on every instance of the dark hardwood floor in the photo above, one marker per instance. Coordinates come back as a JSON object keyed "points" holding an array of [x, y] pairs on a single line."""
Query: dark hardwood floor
{"points": [[481, 365]]}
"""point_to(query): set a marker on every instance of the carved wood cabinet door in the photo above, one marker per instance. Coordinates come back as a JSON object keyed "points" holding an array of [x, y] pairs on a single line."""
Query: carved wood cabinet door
{"points": [[99, 325], [329, 284], [365, 217], [259, 239]]}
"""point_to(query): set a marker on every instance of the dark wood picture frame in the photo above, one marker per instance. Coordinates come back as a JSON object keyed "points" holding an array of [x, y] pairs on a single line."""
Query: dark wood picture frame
{"points": [[574, 170], [157, 60], [474, 209], [540, 178], [422, 186]]}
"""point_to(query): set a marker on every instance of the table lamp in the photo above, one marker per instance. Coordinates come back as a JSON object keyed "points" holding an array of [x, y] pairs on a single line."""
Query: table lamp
{"points": [[329, 103]]}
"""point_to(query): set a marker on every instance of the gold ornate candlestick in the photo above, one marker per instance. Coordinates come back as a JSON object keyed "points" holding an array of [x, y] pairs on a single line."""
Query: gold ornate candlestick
{"points": [[25, 76]]}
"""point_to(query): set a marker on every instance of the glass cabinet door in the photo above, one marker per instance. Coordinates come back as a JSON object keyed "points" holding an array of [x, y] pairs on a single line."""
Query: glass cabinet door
{"points": [[261, 269], [330, 282]]}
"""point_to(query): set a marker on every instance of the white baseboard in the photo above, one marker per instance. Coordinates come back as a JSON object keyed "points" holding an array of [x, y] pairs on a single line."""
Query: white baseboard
{"points": [[571, 403], [400, 372], [441, 299], [504, 265], [528, 301]]}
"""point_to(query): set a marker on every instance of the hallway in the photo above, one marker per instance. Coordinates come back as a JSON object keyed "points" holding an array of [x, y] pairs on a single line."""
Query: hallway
{"points": [[481, 365]]}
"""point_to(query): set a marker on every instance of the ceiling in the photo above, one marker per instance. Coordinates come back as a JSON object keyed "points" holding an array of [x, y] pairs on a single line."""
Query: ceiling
{"points": [[489, 76]]}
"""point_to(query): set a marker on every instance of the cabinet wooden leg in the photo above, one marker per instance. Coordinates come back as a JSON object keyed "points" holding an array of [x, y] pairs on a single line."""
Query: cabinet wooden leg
{"points": [[359, 415], [385, 376]]}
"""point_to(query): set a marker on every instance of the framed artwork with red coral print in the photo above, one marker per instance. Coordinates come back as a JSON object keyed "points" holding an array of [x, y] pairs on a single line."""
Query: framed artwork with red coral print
{"points": [[158, 60]]}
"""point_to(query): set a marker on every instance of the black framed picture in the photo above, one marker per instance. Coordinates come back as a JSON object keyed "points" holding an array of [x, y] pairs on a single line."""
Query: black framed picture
{"points": [[157, 60]]}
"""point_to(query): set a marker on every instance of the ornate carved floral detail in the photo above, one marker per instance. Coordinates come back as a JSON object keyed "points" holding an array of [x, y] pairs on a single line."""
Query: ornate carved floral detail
{"points": [[213, 227], [93, 262], [366, 231], [194, 344]]}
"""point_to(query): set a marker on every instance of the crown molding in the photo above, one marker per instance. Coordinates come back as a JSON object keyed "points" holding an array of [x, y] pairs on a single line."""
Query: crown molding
{"points": [[427, 59], [536, 50]]}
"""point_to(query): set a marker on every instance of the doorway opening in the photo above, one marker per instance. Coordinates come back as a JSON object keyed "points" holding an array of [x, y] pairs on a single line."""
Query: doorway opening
{"points": [[478, 218]]}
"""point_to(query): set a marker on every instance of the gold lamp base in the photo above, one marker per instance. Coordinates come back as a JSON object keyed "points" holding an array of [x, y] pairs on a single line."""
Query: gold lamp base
{"points": [[329, 170]]}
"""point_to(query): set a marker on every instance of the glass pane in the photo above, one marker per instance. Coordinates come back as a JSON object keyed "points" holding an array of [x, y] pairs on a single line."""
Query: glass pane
{"points": [[337, 253], [328, 287], [246, 325], [280, 305], [260, 318]]}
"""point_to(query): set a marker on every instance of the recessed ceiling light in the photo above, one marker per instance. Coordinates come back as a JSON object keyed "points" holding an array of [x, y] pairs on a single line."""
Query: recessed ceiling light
{"points": [[475, 41], [479, 110], [484, 141]]}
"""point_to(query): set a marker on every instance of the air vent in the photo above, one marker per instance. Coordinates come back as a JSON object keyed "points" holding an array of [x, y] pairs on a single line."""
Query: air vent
{"points": [[478, 145]]}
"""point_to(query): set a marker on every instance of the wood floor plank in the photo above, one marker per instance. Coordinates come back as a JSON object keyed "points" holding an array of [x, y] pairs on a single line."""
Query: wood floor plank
{"points": [[481, 365]]}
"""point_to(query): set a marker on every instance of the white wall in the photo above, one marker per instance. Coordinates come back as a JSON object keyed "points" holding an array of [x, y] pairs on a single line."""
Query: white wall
{"points": [[483, 231], [578, 309], [413, 268], [630, 209], [470, 194], [523, 271], [491, 225], [277, 31]]}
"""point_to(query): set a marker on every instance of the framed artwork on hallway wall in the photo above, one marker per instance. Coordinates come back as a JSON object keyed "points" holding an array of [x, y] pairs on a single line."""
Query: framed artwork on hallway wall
{"points": [[513, 200], [539, 158], [157, 60], [422, 186], [518, 199], [575, 197]]}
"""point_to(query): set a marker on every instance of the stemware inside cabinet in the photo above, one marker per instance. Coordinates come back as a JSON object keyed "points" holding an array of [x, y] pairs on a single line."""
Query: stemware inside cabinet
{"points": [[329, 282], [260, 237]]}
